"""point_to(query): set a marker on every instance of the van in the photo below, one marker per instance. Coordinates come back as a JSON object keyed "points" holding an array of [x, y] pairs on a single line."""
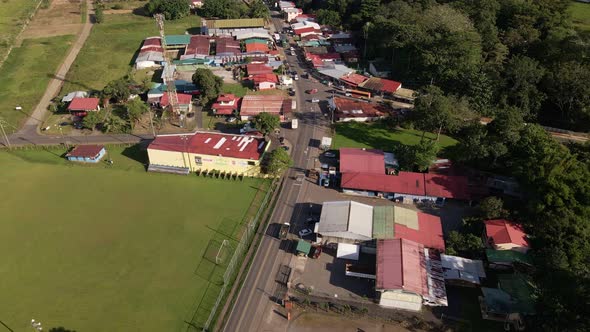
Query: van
{"points": [[294, 124]]}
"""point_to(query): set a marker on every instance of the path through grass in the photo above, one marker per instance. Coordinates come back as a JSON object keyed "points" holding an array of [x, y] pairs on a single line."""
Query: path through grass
{"points": [[13, 14]]}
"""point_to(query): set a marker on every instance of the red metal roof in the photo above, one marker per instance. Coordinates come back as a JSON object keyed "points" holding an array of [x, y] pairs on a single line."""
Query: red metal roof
{"points": [[329, 56], [152, 41], [449, 186], [83, 104], [429, 232], [255, 104], [151, 49], [349, 108], [85, 151], [404, 183], [225, 45], [502, 231], [183, 99], [362, 161], [381, 84], [264, 78], [226, 97], [212, 144], [255, 69], [353, 79], [307, 29], [198, 45], [401, 266], [225, 109], [257, 47]]}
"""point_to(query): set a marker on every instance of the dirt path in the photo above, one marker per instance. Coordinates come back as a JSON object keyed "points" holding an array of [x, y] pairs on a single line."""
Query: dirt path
{"points": [[31, 127], [118, 11]]}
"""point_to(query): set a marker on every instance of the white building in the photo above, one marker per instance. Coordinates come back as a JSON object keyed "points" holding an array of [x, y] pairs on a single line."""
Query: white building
{"points": [[345, 222]]}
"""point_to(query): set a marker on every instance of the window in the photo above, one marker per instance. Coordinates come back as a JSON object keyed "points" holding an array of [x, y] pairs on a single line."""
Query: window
{"points": [[251, 163], [198, 161]]}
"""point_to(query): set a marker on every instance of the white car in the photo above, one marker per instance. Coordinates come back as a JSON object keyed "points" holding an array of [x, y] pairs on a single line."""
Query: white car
{"points": [[315, 100], [305, 232]]}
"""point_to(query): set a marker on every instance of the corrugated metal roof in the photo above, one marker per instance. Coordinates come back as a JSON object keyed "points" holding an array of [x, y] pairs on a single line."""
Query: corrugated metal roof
{"points": [[503, 231], [334, 217], [401, 266], [362, 160], [406, 217], [178, 39], [235, 23], [360, 220], [383, 222]]}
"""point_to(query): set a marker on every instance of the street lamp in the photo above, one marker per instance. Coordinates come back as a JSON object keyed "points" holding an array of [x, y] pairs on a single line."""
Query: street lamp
{"points": [[36, 325], [184, 139]]}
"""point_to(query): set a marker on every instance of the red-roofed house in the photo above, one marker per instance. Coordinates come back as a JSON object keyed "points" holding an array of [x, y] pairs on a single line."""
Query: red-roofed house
{"points": [[381, 85], [502, 234], [184, 101], [346, 110], [353, 79], [448, 186], [226, 104], [81, 106], [405, 275], [362, 161], [207, 151], [253, 105], [264, 81], [306, 28], [256, 48], [258, 68]]}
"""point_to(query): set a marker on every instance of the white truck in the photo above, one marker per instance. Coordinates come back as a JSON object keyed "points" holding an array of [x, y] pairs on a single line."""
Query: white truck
{"points": [[326, 143], [294, 123]]}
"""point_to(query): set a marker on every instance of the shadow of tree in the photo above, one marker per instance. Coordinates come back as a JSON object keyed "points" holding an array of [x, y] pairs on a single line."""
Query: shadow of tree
{"points": [[60, 329]]}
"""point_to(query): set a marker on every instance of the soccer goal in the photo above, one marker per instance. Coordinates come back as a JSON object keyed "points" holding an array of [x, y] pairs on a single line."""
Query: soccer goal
{"points": [[221, 253]]}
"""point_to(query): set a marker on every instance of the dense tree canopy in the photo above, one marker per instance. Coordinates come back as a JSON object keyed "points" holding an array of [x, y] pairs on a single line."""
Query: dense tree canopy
{"points": [[229, 9], [266, 122], [209, 84], [172, 9]]}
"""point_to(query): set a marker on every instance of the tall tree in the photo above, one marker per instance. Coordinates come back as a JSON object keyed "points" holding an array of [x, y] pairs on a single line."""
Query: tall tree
{"points": [[266, 122], [118, 89], [328, 17], [135, 109], [569, 92], [172, 9], [522, 77], [208, 83], [258, 10], [277, 161]]}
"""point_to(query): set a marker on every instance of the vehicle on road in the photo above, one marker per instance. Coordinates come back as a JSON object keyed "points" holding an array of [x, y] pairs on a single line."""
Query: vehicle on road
{"points": [[294, 124], [316, 251], [284, 230], [329, 154], [296, 77], [305, 232], [231, 119], [311, 91], [315, 100], [291, 93]]}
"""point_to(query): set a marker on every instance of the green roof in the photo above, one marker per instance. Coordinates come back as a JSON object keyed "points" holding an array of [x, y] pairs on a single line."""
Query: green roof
{"points": [[194, 61], [256, 41], [383, 223], [519, 288], [304, 247], [178, 39], [235, 23], [508, 256]]}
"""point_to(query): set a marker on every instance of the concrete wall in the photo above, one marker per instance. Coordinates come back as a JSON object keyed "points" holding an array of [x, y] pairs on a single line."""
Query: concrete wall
{"points": [[208, 163], [400, 300]]}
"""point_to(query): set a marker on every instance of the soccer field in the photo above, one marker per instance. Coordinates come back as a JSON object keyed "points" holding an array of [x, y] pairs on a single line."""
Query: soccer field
{"points": [[109, 249]]}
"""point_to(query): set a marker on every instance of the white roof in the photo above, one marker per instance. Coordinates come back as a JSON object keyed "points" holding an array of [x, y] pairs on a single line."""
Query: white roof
{"points": [[253, 33], [348, 251], [75, 94], [305, 24], [346, 219], [460, 268], [336, 71]]}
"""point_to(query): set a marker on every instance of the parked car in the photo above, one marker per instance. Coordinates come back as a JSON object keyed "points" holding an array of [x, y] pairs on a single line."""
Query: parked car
{"points": [[231, 119], [63, 124], [315, 100], [281, 139], [296, 77], [312, 91], [329, 154], [305, 232], [348, 94]]}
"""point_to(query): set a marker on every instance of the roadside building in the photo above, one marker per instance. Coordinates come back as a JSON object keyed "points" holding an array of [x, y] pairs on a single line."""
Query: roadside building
{"points": [[379, 68], [347, 110], [207, 152], [502, 234], [264, 81], [353, 79], [258, 68], [462, 271], [177, 41], [227, 47], [253, 105], [292, 13], [306, 28], [86, 153], [381, 85], [256, 46], [226, 104], [81, 106], [286, 80], [345, 222], [407, 276], [185, 103], [369, 161], [219, 27], [286, 4]]}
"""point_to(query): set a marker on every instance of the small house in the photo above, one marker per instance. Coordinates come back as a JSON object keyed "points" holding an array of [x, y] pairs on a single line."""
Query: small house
{"points": [[502, 234], [86, 153], [81, 106], [226, 104], [265, 81]]}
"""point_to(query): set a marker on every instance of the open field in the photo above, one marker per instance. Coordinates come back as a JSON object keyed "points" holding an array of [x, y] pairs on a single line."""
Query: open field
{"points": [[111, 248], [13, 14], [26, 73], [61, 18], [581, 15], [111, 48], [378, 136]]}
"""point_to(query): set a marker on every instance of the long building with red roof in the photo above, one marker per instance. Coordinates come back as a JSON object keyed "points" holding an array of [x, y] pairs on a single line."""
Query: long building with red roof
{"points": [[208, 152]]}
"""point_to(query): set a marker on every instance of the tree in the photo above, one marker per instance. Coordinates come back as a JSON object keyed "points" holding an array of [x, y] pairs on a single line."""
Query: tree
{"points": [[491, 207], [328, 17], [208, 83], [225, 9], [569, 91], [118, 89], [99, 13], [463, 244], [114, 124], [420, 156], [266, 122], [91, 120], [258, 10], [135, 109], [172, 9], [277, 161], [522, 76]]}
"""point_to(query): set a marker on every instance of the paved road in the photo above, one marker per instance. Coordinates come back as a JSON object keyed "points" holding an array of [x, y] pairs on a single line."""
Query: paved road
{"points": [[253, 309], [29, 133]]}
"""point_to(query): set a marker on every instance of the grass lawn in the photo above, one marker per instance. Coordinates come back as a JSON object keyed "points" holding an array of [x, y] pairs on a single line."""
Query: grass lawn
{"points": [[111, 48], [580, 15], [26, 73], [235, 88], [13, 14], [111, 248], [378, 136]]}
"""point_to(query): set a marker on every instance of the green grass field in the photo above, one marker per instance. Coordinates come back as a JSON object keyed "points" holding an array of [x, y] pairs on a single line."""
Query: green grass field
{"points": [[13, 14], [378, 136], [26, 73], [580, 15], [111, 248], [111, 48]]}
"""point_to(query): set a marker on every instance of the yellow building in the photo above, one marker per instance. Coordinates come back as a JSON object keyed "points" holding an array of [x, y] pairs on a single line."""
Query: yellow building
{"points": [[207, 151]]}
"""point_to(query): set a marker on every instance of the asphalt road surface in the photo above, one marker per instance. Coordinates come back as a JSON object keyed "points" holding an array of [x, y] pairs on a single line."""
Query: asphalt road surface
{"points": [[253, 309]]}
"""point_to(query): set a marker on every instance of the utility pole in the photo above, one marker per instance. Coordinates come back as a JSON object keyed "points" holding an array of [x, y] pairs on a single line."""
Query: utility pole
{"points": [[152, 122], [6, 140]]}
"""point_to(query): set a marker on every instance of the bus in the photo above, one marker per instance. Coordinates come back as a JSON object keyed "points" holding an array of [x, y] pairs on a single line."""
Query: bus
{"points": [[360, 94]]}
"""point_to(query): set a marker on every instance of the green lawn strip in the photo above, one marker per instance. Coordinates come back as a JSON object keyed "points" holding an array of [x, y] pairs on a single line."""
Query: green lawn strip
{"points": [[111, 48], [13, 14], [580, 15], [379, 136], [83, 8], [26, 73], [100, 246], [235, 88]]}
